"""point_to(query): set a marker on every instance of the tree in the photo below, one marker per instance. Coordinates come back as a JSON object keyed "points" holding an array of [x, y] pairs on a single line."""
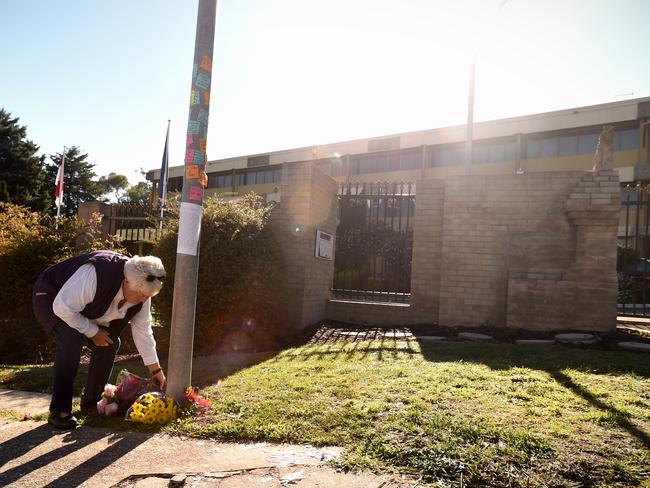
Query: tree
{"points": [[4, 193], [20, 167], [79, 180], [139, 194], [114, 183]]}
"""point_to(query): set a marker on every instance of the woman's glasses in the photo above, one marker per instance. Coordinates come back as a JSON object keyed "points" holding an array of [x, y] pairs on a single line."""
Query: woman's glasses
{"points": [[150, 278]]}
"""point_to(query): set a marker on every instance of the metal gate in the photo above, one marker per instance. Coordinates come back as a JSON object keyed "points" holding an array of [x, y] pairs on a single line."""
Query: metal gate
{"points": [[374, 242], [136, 225], [633, 260]]}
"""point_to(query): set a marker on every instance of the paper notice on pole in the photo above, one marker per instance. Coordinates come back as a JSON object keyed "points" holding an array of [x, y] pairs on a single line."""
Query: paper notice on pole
{"points": [[189, 228]]}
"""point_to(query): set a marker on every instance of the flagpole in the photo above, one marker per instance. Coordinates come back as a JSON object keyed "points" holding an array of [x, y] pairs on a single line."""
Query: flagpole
{"points": [[59, 184], [164, 171]]}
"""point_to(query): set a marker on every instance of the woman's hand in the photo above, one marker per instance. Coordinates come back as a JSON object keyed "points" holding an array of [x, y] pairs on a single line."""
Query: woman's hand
{"points": [[102, 338], [157, 375]]}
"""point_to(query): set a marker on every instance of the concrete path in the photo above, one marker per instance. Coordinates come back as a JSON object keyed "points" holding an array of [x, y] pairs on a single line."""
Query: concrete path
{"points": [[33, 454], [24, 402]]}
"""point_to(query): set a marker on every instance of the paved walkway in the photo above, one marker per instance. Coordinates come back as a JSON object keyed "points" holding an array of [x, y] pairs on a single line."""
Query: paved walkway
{"points": [[32, 454]]}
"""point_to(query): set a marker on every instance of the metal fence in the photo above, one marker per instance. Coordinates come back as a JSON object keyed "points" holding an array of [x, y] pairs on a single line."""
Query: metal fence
{"points": [[137, 225], [374, 242], [633, 260]]}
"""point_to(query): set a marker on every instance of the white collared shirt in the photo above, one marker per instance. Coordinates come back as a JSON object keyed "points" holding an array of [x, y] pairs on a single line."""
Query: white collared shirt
{"points": [[80, 290]]}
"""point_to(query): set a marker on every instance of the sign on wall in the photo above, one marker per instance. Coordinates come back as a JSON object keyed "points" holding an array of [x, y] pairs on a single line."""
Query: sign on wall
{"points": [[324, 245]]}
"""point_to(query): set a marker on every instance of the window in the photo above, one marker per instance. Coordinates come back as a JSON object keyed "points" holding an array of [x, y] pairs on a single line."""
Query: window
{"points": [[533, 148], [481, 153], [394, 161], [493, 152], [259, 177], [446, 155], [497, 152], [408, 159], [587, 143], [370, 163], [175, 184], [411, 159], [223, 180], [549, 147], [568, 145], [626, 139]]}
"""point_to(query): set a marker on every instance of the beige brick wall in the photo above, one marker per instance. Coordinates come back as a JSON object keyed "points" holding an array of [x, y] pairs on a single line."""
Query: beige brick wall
{"points": [[534, 251], [308, 204], [583, 293], [427, 250], [371, 314]]}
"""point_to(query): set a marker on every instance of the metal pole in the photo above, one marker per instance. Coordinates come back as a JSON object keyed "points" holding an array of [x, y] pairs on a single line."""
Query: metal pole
{"points": [[189, 228], [470, 118]]}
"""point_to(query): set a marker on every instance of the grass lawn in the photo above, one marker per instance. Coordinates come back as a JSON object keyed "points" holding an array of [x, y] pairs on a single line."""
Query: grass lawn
{"points": [[499, 414]]}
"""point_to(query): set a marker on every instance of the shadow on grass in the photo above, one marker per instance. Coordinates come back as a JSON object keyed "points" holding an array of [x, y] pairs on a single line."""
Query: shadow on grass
{"points": [[617, 416], [73, 441], [387, 344], [553, 359]]}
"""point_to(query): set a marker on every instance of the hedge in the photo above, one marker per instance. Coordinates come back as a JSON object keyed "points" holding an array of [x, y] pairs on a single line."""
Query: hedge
{"points": [[241, 292]]}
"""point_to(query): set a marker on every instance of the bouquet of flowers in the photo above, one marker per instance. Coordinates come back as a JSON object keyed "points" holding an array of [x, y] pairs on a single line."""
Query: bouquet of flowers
{"points": [[118, 398], [195, 401], [153, 408]]}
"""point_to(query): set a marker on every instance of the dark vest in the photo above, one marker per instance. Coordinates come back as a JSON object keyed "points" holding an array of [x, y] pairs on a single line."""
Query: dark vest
{"points": [[109, 267]]}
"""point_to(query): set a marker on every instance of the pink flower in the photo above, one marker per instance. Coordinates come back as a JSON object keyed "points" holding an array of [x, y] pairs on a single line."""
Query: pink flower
{"points": [[109, 391]]}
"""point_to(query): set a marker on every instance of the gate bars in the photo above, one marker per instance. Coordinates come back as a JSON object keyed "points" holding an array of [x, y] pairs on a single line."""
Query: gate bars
{"points": [[374, 243], [633, 260], [135, 224]]}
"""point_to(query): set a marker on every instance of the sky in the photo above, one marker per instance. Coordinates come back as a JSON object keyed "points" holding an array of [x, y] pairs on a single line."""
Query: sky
{"points": [[107, 75]]}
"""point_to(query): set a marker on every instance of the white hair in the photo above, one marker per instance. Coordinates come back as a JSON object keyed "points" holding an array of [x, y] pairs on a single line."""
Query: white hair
{"points": [[139, 268]]}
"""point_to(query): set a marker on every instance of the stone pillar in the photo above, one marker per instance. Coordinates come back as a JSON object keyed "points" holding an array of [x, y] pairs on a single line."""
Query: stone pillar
{"points": [[427, 251], [85, 213], [308, 204], [593, 208], [565, 278]]}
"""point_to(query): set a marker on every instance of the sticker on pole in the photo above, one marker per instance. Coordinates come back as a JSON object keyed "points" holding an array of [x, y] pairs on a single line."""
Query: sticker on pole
{"points": [[189, 228]]}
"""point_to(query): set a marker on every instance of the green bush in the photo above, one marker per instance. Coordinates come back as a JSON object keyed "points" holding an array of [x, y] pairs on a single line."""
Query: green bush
{"points": [[29, 243], [241, 293]]}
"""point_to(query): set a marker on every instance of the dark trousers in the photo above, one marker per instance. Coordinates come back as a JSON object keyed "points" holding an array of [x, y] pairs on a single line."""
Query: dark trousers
{"points": [[69, 343]]}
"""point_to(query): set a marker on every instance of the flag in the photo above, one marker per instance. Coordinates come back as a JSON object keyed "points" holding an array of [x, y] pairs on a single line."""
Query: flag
{"points": [[164, 172], [58, 186]]}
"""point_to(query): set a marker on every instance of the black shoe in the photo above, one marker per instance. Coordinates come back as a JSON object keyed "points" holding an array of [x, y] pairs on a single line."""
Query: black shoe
{"points": [[63, 423]]}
